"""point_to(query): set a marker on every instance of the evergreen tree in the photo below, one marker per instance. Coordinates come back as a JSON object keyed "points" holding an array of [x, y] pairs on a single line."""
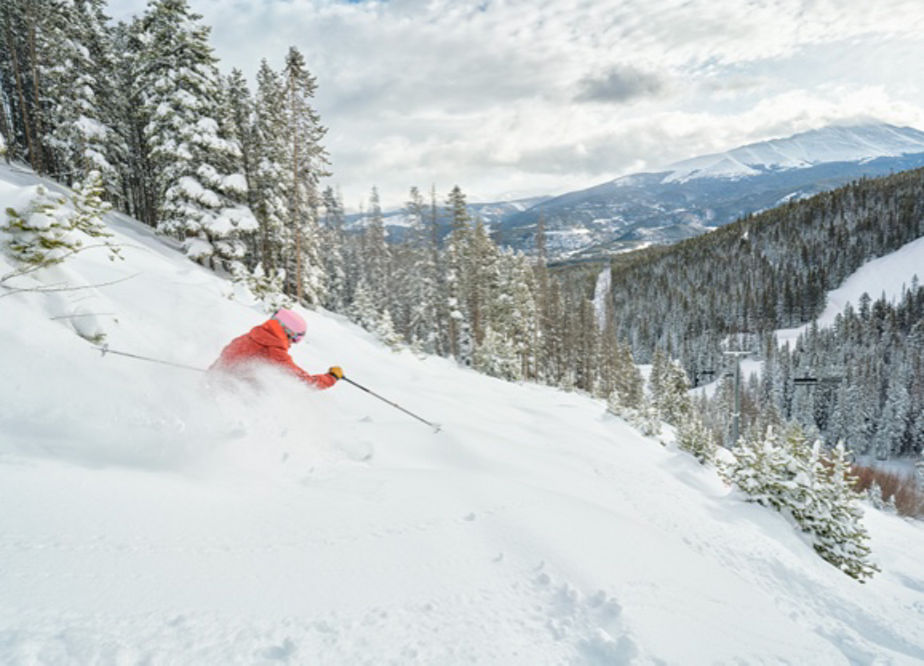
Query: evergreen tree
{"points": [[833, 515], [53, 227], [423, 330], [42, 235], [197, 191], [694, 437], [332, 234], [23, 22], [89, 208], [304, 163], [670, 392], [816, 490], [363, 310], [457, 252], [497, 356], [270, 193], [74, 63], [377, 255]]}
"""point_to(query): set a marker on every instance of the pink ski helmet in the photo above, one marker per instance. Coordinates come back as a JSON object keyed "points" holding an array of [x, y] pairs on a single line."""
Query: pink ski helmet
{"points": [[292, 323]]}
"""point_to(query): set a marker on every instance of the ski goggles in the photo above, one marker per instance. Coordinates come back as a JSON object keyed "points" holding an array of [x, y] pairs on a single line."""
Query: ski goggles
{"points": [[294, 337]]}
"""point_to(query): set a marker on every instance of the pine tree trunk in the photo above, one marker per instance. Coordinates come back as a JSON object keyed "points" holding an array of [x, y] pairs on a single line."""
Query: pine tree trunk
{"points": [[17, 71], [295, 202], [39, 153], [5, 132]]}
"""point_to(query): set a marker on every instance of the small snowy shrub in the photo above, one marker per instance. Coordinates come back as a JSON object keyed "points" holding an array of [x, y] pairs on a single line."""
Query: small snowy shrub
{"points": [[832, 514], [811, 486], [265, 288], [42, 235], [647, 419], [671, 395], [694, 437], [89, 208], [496, 355], [385, 331], [50, 230]]}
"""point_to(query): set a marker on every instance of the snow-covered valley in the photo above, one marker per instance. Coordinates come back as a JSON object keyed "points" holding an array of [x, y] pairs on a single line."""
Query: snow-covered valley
{"points": [[151, 514]]}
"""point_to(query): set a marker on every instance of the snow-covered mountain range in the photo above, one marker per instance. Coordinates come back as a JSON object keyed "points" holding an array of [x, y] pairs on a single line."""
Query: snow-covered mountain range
{"points": [[802, 151], [150, 515], [690, 197]]}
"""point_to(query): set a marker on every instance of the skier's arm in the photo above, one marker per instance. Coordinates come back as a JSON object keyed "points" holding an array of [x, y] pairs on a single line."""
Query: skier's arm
{"points": [[316, 381]]}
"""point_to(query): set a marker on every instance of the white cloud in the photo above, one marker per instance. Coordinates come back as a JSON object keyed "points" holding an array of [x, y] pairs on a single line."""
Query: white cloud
{"points": [[548, 95]]}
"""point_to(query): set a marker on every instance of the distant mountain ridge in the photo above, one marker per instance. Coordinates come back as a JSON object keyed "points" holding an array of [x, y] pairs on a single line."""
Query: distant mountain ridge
{"points": [[693, 196], [800, 151]]}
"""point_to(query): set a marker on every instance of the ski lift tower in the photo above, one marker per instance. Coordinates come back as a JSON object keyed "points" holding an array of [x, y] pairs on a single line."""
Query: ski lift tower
{"points": [[736, 415]]}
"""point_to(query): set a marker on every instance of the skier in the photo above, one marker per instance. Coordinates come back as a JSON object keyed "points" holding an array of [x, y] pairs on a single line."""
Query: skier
{"points": [[269, 343]]}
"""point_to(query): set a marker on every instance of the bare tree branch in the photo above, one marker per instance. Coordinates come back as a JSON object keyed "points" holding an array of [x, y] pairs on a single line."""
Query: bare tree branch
{"points": [[83, 314], [43, 290], [19, 272]]}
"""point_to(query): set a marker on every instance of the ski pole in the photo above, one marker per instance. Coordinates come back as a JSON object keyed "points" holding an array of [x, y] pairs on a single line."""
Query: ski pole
{"points": [[105, 350], [436, 427]]}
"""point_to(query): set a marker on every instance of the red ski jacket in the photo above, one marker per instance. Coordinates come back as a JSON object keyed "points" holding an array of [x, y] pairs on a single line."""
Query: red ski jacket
{"points": [[267, 343]]}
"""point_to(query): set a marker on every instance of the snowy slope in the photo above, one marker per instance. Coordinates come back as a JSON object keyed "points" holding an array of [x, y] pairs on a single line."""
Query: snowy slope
{"points": [[887, 276], [829, 144], [154, 515]]}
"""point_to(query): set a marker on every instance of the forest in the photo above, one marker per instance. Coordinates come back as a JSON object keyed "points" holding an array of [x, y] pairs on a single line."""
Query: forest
{"points": [[141, 114]]}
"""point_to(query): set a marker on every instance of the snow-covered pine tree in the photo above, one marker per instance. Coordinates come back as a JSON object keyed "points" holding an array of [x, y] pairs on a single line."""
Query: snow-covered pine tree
{"points": [[762, 469], [832, 513], [814, 489], [480, 279], [457, 251], [497, 356], [875, 496], [627, 379], [89, 208], [896, 418], [516, 313], [670, 391], [41, 235], [423, 282], [54, 226], [647, 419], [694, 437], [363, 310], [267, 288], [110, 99], [305, 164], [270, 189], [377, 255], [385, 330], [21, 22], [659, 364], [237, 115], [197, 191], [126, 113], [333, 241], [74, 65]]}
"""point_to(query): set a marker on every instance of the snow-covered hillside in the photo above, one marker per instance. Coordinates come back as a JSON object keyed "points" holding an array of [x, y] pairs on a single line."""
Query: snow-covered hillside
{"points": [[887, 277], [151, 514]]}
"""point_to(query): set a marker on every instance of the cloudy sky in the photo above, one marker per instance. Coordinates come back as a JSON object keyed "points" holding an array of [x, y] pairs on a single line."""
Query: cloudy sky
{"points": [[519, 97]]}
